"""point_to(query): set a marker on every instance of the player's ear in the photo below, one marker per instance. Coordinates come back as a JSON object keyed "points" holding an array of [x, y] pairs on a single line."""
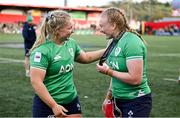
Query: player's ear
{"points": [[114, 25]]}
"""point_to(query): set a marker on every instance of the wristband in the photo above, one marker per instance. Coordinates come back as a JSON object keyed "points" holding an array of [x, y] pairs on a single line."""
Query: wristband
{"points": [[109, 72]]}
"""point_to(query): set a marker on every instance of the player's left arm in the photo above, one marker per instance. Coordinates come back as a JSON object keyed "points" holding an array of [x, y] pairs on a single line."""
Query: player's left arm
{"points": [[134, 74]]}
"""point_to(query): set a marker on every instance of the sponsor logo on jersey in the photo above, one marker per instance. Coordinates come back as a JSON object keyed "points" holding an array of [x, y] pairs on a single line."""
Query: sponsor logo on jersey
{"points": [[66, 68], [117, 51], [37, 57], [114, 64]]}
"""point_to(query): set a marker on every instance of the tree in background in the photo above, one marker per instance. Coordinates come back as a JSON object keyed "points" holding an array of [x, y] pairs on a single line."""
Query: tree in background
{"points": [[147, 10]]}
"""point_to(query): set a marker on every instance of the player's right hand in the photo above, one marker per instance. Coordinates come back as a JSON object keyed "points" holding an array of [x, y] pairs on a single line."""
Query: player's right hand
{"points": [[102, 68], [59, 111]]}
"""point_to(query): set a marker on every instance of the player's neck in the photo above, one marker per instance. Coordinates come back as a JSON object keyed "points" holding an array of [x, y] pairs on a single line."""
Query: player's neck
{"points": [[59, 42], [117, 34]]}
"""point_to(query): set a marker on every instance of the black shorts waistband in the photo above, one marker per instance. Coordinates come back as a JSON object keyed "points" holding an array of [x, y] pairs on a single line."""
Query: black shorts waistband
{"points": [[138, 98]]}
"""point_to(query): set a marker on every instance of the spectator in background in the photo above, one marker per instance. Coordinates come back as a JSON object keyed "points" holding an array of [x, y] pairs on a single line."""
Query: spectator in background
{"points": [[29, 35]]}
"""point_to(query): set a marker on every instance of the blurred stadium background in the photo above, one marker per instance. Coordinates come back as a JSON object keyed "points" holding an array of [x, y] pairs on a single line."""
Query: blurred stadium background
{"points": [[147, 16], [159, 23]]}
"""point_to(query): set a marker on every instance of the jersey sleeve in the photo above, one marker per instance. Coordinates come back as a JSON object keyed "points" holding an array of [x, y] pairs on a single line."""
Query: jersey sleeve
{"points": [[134, 49], [77, 48], [77, 51], [39, 60]]}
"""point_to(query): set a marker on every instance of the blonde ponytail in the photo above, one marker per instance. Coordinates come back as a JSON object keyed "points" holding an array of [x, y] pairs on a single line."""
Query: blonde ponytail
{"points": [[42, 37]]}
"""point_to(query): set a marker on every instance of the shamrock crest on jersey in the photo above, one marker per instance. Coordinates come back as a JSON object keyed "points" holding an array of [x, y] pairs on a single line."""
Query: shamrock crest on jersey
{"points": [[117, 51], [71, 51]]}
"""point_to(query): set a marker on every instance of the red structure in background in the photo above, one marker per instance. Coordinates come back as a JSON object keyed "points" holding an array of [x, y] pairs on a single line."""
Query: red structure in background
{"points": [[150, 27], [11, 18], [15, 18], [158, 25]]}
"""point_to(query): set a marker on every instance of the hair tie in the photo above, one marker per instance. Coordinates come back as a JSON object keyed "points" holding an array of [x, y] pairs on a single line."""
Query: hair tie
{"points": [[50, 17]]}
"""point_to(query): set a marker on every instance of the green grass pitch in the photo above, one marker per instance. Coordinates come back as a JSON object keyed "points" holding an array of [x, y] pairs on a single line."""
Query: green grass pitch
{"points": [[16, 92]]}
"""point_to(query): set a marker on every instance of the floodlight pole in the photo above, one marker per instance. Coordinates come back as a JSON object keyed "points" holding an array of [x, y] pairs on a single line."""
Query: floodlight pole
{"points": [[65, 3], [150, 10], [130, 10]]}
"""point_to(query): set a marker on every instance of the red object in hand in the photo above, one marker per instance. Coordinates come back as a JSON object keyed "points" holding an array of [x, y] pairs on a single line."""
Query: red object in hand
{"points": [[109, 109]]}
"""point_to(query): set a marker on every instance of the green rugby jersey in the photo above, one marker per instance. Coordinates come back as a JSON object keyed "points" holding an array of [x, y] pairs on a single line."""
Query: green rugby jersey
{"points": [[58, 61], [129, 47]]}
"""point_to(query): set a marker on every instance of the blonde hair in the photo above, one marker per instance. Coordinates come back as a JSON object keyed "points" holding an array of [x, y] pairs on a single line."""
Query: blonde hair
{"points": [[50, 26], [116, 16]]}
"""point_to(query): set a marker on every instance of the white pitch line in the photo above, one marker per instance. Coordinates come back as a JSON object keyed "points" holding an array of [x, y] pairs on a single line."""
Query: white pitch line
{"points": [[10, 60], [169, 79], [165, 55]]}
